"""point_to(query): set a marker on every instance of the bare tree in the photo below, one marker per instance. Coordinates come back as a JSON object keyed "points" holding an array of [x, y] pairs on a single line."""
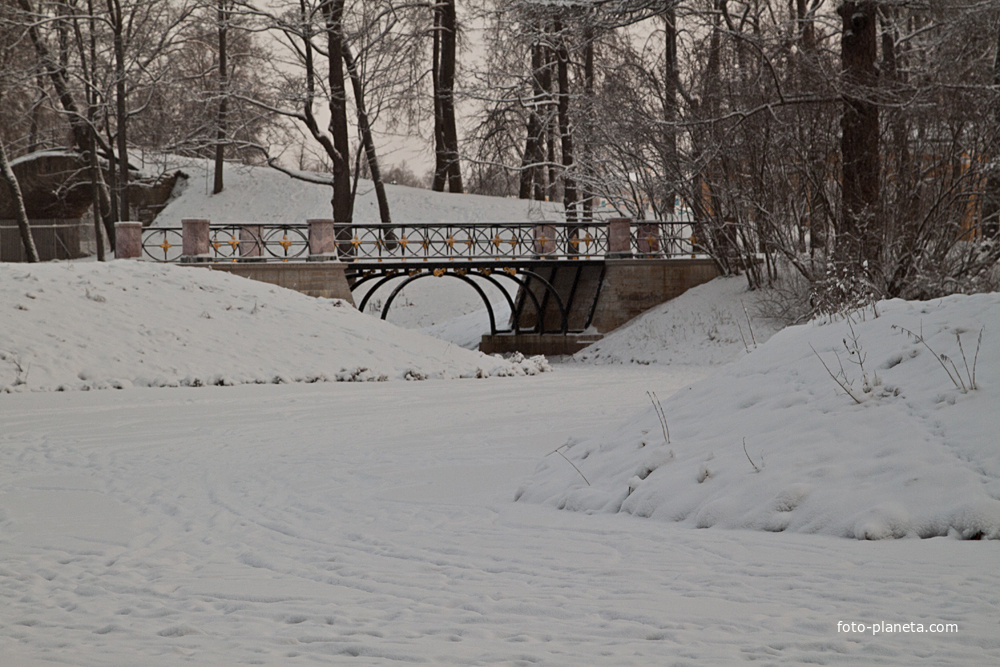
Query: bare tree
{"points": [[23, 224], [447, 169]]}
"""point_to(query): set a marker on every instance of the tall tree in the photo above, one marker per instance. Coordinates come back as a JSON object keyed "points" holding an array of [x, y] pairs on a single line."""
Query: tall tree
{"points": [[343, 201], [858, 238], [447, 168], [565, 131], [224, 12], [367, 138], [23, 224]]}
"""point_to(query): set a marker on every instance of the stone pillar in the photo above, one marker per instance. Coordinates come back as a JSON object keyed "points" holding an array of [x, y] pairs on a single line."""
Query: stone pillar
{"points": [[648, 239], [194, 244], [620, 237], [322, 240], [128, 240], [251, 241], [545, 239]]}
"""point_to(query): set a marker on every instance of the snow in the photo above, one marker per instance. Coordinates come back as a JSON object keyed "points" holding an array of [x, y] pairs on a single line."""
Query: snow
{"points": [[708, 325], [322, 523], [261, 194], [89, 325], [316, 524], [915, 456]]}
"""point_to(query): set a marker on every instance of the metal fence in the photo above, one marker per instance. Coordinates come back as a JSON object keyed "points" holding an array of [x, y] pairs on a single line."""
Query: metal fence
{"points": [[256, 242]]}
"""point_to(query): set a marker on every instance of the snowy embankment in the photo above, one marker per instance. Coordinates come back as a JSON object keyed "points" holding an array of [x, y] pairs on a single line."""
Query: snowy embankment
{"points": [[708, 325], [88, 325], [774, 443], [262, 194]]}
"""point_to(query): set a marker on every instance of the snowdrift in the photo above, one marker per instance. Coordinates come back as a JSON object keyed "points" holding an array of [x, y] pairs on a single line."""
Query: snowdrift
{"points": [[773, 442], [710, 324], [88, 325], [262, 194]]}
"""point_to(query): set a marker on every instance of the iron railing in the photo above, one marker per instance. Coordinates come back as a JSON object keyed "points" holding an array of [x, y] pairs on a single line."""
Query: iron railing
{"points": [[478, 241], [255, 242], [251, 242]]}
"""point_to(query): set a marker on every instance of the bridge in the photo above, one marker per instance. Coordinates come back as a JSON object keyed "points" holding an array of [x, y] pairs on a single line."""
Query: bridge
{"points": [[571, 282]]}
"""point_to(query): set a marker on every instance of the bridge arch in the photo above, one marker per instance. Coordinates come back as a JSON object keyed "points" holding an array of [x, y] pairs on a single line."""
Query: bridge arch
{"points": [[539, 310], [524, 285], [424, 274]]}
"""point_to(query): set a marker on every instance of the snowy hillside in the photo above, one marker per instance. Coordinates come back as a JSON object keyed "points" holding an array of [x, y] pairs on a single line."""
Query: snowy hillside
{"points": [[125, 323], [710, 324], [916, 455], [261, 194]]}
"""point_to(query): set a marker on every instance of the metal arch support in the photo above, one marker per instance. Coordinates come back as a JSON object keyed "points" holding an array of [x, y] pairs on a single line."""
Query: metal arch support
{"points": [[382, 281], [360, 278], [493, 281], [515, 315], [564, 317], [479, 290]]}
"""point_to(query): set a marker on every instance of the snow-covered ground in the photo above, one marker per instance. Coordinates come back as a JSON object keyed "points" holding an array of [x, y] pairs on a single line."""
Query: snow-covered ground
{"points": [[376, 523], [90, 325], [310, 523], [710, 324], [868, 427], [261, 194]]}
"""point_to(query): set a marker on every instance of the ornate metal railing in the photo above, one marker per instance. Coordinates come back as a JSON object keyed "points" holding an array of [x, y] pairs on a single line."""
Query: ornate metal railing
{"points": [[255, 242], [233, 242], [483, 241]]}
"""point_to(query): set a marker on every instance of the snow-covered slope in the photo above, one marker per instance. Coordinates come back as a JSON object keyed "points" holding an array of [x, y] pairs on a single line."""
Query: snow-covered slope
{"points": [[84, 325], [710, 324], [261, 194], [917, 455]]}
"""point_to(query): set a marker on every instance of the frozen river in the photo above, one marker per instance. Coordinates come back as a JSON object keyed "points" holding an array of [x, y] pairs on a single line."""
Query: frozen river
{"points": [[375, 524]]}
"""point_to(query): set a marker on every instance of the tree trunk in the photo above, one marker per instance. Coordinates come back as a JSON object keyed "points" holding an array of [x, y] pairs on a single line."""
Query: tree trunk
{"points": [[449, 57], [447, 165], [859, 240], [366, 135], [121, 108], [60, 82], [670, 80], [990, 224], [815, 216], [343, 203], [723, 236], [565, 133], [534, 155], [588, 94], [100, 198], [7, 174], [440, 164], [220, 140]]}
